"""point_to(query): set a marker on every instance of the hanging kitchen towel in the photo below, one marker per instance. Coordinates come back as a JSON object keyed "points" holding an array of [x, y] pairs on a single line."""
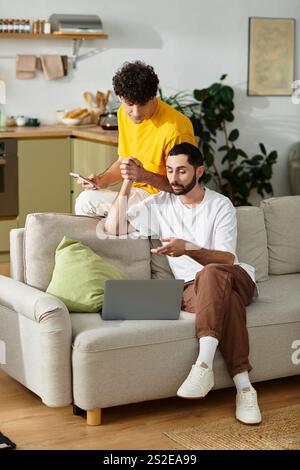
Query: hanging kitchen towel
{"points": [[25, 66], [52, 66]]}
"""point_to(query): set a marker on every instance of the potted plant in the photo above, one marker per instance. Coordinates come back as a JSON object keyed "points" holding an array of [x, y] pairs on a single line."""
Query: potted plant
{"points": [[210, 110]]}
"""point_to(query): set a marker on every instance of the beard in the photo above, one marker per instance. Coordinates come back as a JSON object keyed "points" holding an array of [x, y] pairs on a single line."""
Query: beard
{"points": [[185, 189]]}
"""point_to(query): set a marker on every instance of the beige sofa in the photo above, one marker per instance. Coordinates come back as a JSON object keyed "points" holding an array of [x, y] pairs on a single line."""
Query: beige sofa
{"points": [[81, 359]]}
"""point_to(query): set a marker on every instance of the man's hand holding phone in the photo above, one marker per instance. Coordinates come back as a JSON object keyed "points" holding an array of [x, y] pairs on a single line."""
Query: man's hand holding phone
{"points": [[91, 182]]}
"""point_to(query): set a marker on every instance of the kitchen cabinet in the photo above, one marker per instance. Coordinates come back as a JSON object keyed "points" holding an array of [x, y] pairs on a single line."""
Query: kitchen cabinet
{"points": [[91, 157], [44, 181]]}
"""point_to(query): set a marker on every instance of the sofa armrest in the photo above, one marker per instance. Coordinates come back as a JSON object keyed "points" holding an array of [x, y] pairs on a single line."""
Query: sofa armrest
{"points": [[54, 335], [29, 301]]}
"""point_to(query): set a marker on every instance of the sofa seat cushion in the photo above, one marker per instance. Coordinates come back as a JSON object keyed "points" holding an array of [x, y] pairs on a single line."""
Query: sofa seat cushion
{"points": [[92, 334], [278, 302]]}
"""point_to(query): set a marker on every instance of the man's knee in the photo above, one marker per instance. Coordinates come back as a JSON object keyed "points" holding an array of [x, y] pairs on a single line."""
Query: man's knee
{"points": [[83, 203], [210, 270]]}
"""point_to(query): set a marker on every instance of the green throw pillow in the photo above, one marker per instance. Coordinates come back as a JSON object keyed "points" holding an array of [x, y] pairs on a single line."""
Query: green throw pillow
{"points": [[79, 276]]}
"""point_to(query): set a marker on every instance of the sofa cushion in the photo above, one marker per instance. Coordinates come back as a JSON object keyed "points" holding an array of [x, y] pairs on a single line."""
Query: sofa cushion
{"points": [[43, 232], [127, 350], [79, 276], [252, 240], [278, 303], [282, 220], [160, 268]]}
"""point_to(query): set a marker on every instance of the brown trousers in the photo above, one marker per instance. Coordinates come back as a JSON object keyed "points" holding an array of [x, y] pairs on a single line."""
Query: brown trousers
{"points": [[218, 296]]}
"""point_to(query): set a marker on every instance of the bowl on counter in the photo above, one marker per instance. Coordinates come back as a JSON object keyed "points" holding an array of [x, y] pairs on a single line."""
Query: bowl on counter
{"points": [[71, 121]]}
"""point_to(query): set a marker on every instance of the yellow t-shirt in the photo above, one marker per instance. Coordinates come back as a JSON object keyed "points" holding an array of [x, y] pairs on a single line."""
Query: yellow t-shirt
{"points": [[151, 140]]}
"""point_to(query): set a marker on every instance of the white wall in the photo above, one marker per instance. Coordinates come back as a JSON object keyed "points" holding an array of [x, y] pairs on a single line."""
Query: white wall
{"points": [[189, 42]]}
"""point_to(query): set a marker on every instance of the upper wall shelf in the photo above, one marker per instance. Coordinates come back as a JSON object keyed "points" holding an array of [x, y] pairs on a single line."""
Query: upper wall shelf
{"points": [[76, 37], [57, 35]]}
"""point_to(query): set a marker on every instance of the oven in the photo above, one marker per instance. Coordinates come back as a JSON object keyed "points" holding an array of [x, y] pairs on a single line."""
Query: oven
{"points": [[9, 198]]}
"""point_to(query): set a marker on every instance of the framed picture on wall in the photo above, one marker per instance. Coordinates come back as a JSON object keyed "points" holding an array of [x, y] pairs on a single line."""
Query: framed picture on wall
{"points": [[271, 56]]}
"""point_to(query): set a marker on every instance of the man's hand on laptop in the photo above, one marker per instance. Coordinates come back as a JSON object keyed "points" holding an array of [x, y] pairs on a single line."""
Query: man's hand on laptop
{"points": [[171, 247]]}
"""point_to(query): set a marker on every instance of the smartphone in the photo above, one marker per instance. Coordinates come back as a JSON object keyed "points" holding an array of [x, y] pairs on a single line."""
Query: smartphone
{"points": [[83, 178]]}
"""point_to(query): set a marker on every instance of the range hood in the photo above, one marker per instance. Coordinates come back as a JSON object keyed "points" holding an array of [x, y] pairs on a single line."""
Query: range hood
{"points": [[76, 23]]}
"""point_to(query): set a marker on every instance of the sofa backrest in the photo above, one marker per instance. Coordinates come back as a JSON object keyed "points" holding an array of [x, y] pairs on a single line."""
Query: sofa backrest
{"points": [[32, 260], [282, 221], [251, 245], [252, 240], [268, 239], [43, 232]]}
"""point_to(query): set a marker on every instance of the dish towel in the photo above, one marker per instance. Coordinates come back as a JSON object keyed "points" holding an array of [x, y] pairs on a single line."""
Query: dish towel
{"points": [[25, 67], [52, 66]]}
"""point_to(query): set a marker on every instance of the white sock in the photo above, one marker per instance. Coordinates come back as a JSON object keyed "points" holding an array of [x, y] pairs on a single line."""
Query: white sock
{"points": [[207, 346], [242, 381]]}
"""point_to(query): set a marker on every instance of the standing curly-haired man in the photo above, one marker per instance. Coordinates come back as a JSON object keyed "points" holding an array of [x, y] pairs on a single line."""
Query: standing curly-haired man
{"points": [[148, 130]]}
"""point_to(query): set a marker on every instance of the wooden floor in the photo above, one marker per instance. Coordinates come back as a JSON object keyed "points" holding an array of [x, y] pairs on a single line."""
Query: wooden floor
{"points": [[32, 425]]}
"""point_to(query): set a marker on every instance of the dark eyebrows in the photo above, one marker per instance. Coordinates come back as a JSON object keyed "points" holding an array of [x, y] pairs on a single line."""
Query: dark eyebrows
{"points": [[177, 168]]}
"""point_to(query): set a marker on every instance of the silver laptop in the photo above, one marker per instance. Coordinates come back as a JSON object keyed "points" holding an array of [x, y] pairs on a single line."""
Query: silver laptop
{"points": [[153, 299]]}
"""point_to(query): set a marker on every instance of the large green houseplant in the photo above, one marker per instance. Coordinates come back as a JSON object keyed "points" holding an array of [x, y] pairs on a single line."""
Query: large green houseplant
{"points": [[210, 110]]}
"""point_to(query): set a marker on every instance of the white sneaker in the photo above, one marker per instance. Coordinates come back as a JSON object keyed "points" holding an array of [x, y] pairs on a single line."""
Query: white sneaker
{"points": [[247, 409], [198, 383]]}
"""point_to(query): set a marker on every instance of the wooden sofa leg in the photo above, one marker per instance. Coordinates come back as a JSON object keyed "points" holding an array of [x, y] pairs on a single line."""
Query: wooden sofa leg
{"points": [[93, 417]]}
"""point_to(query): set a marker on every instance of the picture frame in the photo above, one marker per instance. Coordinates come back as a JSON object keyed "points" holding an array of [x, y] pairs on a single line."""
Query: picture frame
{"points": [[271, 56]]}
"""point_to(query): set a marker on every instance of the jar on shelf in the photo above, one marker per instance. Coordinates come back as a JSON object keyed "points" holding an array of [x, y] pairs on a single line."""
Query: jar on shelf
{"points": [[23, 26], [28, 26], [41, 26], [35, 26], [47, 27], [10, 26], [4, 26], [16, 26]]}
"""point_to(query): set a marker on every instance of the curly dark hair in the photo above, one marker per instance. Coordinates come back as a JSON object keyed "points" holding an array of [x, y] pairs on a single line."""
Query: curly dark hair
{"points": [[136, 82]]}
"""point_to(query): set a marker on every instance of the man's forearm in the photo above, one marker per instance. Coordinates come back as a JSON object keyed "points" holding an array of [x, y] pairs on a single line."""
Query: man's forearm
{"points": [[116, 221], [112, 175], [205, 256], [157, 181]]}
